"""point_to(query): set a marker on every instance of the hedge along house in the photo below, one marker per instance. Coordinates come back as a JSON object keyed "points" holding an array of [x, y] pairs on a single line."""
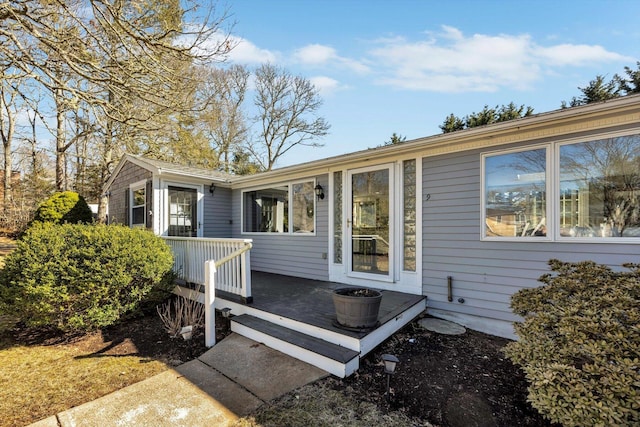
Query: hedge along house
{"points": [[465, 218]]}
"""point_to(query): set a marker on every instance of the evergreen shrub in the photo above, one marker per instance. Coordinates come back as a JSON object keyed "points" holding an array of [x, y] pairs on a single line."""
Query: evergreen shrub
{"points": [[579, 344], [80, 277], [64, 207]]}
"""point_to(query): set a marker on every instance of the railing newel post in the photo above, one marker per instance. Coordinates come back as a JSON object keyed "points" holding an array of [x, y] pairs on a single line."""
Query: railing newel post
{"points": [[209, 303]]}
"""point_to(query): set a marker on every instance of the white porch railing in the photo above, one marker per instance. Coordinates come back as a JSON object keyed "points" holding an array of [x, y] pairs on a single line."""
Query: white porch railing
{"points": [[232, 259]]}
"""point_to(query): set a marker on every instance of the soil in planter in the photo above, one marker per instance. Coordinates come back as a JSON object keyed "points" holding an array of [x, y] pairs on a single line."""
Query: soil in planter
{"points": [[358, 292]]}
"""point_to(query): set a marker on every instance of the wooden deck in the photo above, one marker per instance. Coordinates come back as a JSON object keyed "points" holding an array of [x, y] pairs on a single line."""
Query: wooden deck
{"points": [[296, 316], [310, 301]]}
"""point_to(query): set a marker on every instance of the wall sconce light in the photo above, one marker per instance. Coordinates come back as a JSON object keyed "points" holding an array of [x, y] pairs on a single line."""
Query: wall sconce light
{"points": [[319, 192], [390, 362], [212, 188]]}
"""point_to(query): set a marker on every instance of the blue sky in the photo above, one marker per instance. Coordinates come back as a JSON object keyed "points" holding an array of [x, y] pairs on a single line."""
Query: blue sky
{"points": [[403, 66]]}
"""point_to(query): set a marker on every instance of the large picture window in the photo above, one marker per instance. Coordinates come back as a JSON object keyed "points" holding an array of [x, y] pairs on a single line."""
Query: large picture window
{"points": [[599, 188], [515, 189], [288, 208], [595, 189]]}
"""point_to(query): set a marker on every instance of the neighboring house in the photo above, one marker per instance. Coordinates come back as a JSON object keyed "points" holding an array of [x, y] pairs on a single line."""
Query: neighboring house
{"points": [[465, 218]]}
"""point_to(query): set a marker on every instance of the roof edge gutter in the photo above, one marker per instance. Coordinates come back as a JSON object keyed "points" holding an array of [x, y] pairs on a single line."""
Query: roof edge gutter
{"points": [[626, 103]]}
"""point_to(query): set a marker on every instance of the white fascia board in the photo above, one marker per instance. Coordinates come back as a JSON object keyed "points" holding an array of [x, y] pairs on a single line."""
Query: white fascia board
{"points": [[512, 131], [173, 172], [186, 178]]}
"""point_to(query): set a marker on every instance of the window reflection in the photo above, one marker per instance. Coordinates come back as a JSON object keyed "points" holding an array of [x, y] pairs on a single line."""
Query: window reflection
{"points": [[138, 208], [370, 221], [303, 207], [183, 210], [280, 209], [267, 210], [515, 194], [599, 187]]}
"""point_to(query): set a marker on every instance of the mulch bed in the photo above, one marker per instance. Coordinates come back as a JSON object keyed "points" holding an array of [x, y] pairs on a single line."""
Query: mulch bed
{"points": [[447, 380], [143, 336]]}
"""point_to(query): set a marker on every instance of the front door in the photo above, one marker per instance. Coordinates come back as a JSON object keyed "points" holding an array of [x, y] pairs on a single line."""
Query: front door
{"points": [[183, 212], [370, 223]]}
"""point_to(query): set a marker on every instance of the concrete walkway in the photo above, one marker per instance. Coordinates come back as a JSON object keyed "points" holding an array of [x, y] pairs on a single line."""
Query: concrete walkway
{"points": [[229, 381]]}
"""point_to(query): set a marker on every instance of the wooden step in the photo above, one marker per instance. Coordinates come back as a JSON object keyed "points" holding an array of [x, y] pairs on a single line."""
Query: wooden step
{"points": [[337, 360]]}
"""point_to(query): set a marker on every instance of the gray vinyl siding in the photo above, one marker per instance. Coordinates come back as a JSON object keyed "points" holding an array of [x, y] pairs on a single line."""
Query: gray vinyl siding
{"points": [[217, 213], [118, 191], [290, 254], [485, 273]]}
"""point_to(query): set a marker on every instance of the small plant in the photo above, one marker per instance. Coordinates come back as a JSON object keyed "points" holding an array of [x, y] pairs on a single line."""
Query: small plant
{"points": [[181, 311], [81, 277], [579, 344]]}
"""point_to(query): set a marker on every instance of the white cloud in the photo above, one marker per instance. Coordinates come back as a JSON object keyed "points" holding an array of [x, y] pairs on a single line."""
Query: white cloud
{"points": [[242, 50], [452, 62], [571, 54], [320, 55], [451, 33], [326, 85], [315, 54], [245, 52]]}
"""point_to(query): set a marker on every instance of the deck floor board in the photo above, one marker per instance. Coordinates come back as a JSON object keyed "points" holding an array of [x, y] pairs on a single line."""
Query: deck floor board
{"points": [[310, 301]]}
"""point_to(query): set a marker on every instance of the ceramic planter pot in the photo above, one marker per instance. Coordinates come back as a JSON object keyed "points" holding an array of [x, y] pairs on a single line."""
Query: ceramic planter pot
{"points": [[357, 307]]}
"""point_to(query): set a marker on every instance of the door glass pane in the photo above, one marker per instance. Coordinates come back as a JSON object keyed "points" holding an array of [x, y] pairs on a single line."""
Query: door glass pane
{"points": [[183, 220], [370, 222]]}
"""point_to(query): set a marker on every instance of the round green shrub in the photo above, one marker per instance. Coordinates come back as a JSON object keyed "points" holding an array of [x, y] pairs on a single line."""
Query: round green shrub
{"points": [[64, 207], [81, 277], [579, 344]]}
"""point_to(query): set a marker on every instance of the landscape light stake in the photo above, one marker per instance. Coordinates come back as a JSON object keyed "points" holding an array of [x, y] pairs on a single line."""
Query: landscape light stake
{"points": [[226, 312], [187, 333], [390, 362]]}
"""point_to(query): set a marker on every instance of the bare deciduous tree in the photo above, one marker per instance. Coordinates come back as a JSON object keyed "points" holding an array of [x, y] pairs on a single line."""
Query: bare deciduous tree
{"points": [[10, 105], [115, 56], [224, 123], [287, 107]]}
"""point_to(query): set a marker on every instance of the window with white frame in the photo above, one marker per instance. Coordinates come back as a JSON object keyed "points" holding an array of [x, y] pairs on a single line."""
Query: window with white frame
{"points": [[287, 208], [594, 188], [138, 205], [600, 188], [303, 206], [515, 194]]}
